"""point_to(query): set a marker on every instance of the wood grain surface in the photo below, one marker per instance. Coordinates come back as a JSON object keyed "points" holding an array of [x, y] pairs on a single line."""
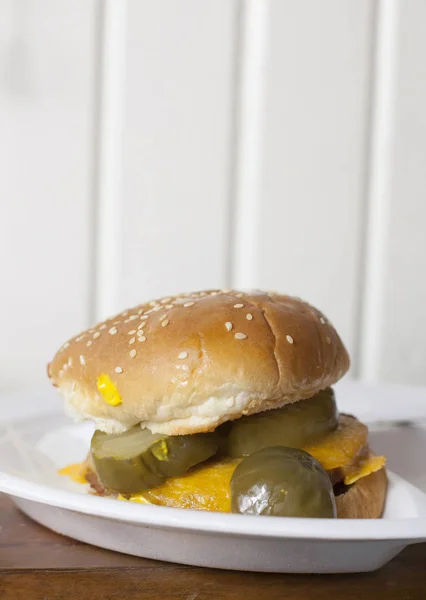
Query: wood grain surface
{"points": [[36, 563]]}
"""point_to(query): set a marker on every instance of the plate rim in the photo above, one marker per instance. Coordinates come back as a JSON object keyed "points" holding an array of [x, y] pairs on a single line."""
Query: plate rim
{"points": [[407, 530]]}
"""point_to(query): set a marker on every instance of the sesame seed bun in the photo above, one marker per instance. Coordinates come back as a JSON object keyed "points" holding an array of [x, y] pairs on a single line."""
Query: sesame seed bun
{"points": [[187, 364]]}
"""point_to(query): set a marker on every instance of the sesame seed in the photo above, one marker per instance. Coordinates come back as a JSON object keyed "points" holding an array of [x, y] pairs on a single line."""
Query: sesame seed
{"points": [[89, 343], [131, 332], [141, 338], [113, 331], [132, 340], [103, 326], [60, 373], [140, 311], [239, 295], [70, 362], [82, 361], [163, 317], [65, 367], [238, 305], [66, 345], [240, 336], [132, 353], [165, 300], [125, 313], [169, 306], [144, 317], [118, 370], [116, 322], [327, 339], [96, 335], [139, 332], [249, 317], [183, 355], [126, 321], [79, 338], [133, 317], [141, 326], [164, 323], [189, 304], [322, 320], [203, 293], [214, 293], [153, 303], [228, 325], [225, 290], [289, 339]]}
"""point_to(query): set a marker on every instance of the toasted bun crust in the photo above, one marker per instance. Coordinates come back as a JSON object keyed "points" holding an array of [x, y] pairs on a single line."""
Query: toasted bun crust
{"points": [[365, 499], [203, 358]]}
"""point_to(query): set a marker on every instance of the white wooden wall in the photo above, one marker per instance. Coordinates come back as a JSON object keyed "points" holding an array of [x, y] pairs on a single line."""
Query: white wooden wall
{"points": [[152, 146]]}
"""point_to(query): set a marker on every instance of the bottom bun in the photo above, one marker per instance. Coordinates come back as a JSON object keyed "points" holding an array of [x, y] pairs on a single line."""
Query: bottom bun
{"points": [[364, 499]]}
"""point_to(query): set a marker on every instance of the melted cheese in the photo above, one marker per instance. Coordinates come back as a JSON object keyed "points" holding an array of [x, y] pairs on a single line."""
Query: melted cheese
{"points": [[77, 472], [365, 467], [341, 447], [207, 487], [204, 488]]}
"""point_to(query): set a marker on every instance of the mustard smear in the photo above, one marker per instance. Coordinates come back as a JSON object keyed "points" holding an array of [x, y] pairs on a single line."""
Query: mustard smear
{"points": [[160, 451], [108, 390]]}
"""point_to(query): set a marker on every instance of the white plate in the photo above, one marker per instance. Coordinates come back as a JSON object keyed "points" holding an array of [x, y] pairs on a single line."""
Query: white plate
{"points": [[31, 451]]}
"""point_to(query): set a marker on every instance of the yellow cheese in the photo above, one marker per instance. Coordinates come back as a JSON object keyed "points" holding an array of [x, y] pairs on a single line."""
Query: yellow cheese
{"points": [[342, 446], [135, 498], [365, 467], [207, 487], [77, 472]]}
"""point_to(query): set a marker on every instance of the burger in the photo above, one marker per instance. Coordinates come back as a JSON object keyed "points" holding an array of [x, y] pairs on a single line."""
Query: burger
{"points": [[222, 401]]}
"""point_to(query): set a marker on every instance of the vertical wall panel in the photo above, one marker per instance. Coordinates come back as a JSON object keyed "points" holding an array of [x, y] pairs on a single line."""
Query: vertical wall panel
{"points": [[177, 145], [311, 160], [46, 102], [398, 325]]}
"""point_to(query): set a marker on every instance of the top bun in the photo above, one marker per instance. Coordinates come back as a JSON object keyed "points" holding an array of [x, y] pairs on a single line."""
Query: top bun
{"points": [[186, 364]]}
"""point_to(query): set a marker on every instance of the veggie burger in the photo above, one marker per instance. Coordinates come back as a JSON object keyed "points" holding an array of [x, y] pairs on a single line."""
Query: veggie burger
{"points": [[220, 400]]}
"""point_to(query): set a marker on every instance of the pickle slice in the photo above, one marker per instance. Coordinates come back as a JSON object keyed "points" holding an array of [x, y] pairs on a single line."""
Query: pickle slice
{"points": [[138, 459], [295, 425], [283, 482]]}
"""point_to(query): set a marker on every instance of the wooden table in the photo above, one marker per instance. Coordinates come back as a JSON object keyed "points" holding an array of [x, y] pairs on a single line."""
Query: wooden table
{"points": [[36, 563]]}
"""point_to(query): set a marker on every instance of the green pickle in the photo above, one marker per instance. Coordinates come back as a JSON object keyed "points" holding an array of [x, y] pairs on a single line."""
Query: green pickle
{"points": [[138, 459], [296, 425], [283, 482]]}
